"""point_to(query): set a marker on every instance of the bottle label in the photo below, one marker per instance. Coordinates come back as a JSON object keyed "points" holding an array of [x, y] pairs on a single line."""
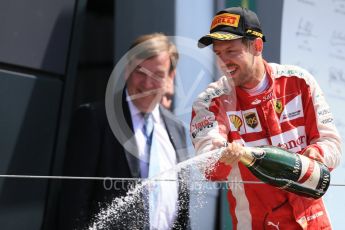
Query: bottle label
{"points": [[326, 179], [310, 174]]}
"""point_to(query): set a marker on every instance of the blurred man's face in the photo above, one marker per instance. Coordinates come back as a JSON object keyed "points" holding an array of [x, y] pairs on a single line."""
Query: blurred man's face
{"points": [[146, 83]]}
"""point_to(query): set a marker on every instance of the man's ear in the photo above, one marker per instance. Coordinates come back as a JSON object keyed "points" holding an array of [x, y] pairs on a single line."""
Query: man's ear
{"points": [[258, 46], [172, 74]]}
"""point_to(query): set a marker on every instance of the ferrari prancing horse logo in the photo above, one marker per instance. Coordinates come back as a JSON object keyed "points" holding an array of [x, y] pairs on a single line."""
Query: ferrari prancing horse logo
{"points": [[278, 105]]}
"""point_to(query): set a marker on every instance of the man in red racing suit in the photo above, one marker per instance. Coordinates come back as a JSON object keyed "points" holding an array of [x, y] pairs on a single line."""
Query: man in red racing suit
{"points": [[289, 111]]}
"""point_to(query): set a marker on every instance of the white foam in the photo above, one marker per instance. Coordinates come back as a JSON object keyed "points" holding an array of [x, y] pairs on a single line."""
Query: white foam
{"points": [[123, 210]]}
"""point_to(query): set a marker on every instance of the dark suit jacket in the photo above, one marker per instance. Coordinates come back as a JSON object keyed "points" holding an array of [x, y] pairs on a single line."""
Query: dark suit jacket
{"points": [[93, 151]]}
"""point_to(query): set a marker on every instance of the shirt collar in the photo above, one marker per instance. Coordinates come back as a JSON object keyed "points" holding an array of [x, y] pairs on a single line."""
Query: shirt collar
{"points": [[136, 112], [155, 114], [132, 108], [259, 88]]}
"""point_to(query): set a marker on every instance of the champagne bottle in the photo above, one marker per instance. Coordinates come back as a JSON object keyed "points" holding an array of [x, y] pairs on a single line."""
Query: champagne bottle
{"points": [[287, 170]]}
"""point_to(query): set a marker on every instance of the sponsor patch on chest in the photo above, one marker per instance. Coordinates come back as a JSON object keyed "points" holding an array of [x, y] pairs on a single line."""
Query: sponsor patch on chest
{"points": [[294, 140], [251, 119], [293, 109], [246, 121]]}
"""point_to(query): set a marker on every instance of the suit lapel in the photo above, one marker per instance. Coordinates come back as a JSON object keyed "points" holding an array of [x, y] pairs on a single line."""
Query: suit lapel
{"points": [[130, 146], [175, 132], [174, 129]]}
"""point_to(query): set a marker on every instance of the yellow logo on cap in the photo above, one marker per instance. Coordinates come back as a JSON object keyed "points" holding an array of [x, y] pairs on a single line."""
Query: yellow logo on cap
{"points": [[255, 33], [226, 19], [223, 36]]}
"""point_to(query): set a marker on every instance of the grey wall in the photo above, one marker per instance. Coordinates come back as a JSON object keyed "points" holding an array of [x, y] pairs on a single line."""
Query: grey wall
{"points": [[270, 15], [137, 17], [36, 76], [36, 34], [29, 113]]}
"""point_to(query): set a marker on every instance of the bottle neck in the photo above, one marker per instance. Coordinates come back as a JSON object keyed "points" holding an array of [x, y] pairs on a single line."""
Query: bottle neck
{"points": [[251, 154], [247, 158]]}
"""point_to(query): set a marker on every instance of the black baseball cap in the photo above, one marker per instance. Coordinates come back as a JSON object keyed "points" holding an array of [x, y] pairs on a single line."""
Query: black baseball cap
{"points": [[233, 23]]}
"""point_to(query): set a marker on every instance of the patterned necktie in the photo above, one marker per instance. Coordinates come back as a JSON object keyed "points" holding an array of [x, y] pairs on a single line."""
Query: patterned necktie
{"points": [[148, 133], [154, 169], [144, 165], [150, 168]]}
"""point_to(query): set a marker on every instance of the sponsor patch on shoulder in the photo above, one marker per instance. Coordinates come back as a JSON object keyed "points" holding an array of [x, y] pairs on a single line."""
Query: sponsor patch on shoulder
{"points": [[212, 93], [202, 125]]}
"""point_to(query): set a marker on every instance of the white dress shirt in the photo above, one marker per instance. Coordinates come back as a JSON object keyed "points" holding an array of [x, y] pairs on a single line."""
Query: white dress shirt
{"points": [[168, 194]]}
